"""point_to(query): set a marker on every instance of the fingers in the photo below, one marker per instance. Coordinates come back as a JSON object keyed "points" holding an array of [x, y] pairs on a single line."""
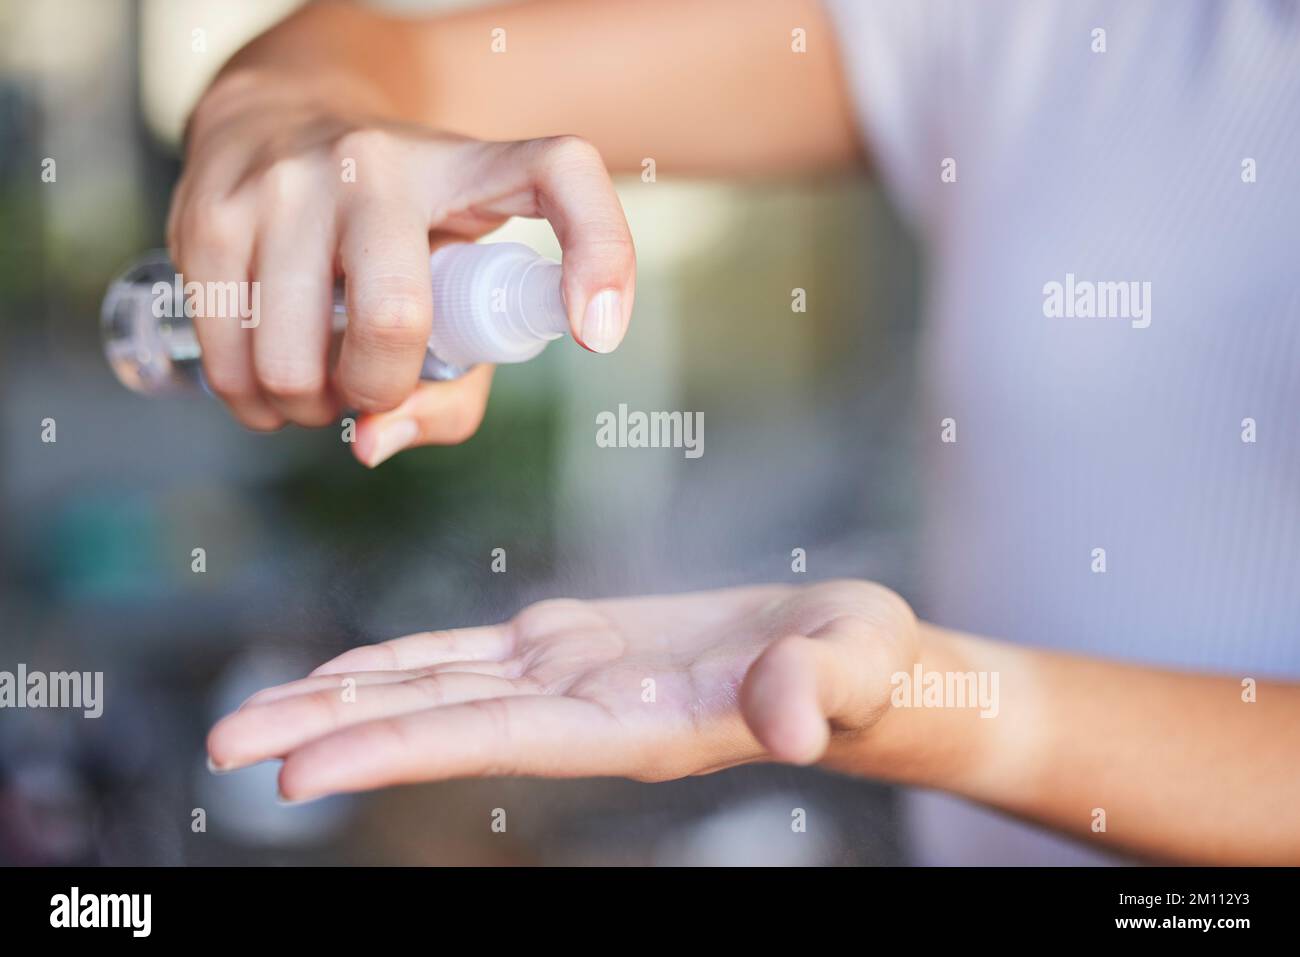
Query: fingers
{"points": [[528, 735], [564, 179], [325, 683], [261, 732], [488, 643], [501, 669], [301, 225], [294, 272], [212, 245], [801, 685], [436, 413], [384, 251], [575, 193]]}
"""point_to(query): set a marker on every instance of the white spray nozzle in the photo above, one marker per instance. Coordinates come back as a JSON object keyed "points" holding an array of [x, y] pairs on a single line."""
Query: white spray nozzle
{"points": [[495, 302]]}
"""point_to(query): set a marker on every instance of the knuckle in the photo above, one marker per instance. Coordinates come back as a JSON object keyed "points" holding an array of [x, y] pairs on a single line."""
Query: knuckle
{"points": [[213, 221], [610, 247], [606, 235], [286, 180], [363, 142], [289, 378], [320, 709], [230, 386], [393, 301], [368, 398], [569, 150], [257, 700], [394, 316], [431, 687]]}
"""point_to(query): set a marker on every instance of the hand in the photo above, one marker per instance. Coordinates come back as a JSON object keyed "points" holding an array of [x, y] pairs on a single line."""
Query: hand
{"points": [[290, 186], [646, 688]]}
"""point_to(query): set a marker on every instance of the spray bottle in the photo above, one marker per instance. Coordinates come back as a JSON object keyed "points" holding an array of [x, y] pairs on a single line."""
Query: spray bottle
{"points": [[492, 302]]}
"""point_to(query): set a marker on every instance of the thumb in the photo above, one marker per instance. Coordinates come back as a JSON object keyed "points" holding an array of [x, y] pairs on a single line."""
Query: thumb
{"points": [[436, 413], [803, 684]]}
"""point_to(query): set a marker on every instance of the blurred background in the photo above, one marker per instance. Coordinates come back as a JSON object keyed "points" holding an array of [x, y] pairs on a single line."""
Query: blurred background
{"points": [[308, 553]]}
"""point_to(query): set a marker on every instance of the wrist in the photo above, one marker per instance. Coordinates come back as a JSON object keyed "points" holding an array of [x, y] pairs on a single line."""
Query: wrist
{"points": [[963, 720], [246, 87], [324, 55]]}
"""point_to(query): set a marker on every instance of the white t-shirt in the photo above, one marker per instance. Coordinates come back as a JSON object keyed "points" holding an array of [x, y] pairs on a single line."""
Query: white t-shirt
{"points": [[1151, 172]]}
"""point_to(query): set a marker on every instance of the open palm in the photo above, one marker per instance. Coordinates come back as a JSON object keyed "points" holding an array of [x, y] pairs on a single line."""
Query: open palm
{"points": [[647, 688]]}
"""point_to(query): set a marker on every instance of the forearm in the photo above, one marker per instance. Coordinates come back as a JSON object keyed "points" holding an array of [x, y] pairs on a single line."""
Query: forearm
{"points": [[710, 88], [1181, 766]]}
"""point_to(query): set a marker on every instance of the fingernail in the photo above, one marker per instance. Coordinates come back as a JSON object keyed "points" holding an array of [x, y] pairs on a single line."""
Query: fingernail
{"points": [[216, 768], [393, 437], [602, 325]]}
